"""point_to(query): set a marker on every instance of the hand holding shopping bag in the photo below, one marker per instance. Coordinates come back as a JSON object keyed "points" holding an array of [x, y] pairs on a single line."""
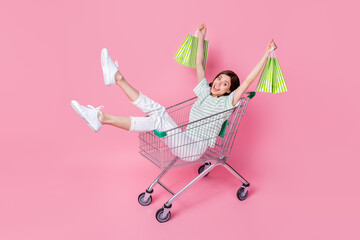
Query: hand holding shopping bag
{"points": [[272, 78], [186, 55]]}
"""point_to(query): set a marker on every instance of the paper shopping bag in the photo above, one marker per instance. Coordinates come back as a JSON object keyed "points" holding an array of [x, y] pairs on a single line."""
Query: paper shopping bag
{"points": [[186, 55], [272, 78], [265, 82], [279, 84]]}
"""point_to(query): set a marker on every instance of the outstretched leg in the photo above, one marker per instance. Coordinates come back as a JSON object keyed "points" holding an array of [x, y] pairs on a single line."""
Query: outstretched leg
{"points": [[113, 76], [137, 124], [155, 111], [131, 92], [157, 119], [116, 121]]}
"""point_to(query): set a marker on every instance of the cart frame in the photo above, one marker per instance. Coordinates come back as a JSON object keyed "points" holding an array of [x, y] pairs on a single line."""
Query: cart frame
{"points": [[158, 153]]}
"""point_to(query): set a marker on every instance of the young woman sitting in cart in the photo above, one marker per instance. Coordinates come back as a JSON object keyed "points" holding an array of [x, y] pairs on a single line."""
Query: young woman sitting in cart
{"points": [[222, 94]]}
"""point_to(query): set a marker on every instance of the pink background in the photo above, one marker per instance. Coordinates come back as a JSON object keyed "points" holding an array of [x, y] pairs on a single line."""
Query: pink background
{"points": [[299, 150]]}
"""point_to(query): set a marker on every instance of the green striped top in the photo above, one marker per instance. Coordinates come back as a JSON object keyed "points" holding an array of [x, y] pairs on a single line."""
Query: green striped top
{"points": [[205, 106]]}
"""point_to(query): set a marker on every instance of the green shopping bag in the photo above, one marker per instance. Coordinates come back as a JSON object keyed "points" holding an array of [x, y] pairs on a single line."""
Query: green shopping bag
{"points": [[279, 84], [272, 79], [186, 55], [265, 82]]}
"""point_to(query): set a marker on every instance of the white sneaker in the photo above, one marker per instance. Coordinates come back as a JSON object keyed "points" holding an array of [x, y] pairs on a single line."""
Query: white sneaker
{"points": [[109, 67], [89, 114]]}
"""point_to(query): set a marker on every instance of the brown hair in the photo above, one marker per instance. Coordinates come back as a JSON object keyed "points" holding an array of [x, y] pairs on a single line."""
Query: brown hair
{"points": [[234, 79]]}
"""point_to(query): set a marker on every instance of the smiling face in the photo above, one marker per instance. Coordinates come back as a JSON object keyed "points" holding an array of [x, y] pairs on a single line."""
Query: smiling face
{"points": [[220, 85]]}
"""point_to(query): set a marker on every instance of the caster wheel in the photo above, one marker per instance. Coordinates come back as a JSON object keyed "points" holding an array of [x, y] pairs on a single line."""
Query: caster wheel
{"points": [[241, 195], [160, 217], [141, 199], [202, 167]]}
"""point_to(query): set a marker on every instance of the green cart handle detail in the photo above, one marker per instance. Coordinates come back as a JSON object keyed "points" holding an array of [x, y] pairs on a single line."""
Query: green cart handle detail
{"points": [[159, 134], [251, 95], [223, 129]]}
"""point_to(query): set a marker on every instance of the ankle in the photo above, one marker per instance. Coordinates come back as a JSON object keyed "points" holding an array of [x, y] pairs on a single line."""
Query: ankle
{"points": [[101, 117], [119, 78]]}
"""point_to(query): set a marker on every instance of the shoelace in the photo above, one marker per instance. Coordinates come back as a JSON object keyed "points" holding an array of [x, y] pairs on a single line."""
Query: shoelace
{"points": [[97, 109]]}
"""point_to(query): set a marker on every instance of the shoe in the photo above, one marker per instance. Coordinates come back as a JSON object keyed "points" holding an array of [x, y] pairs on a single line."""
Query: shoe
{"points": [[89, 114], [109, 67]]}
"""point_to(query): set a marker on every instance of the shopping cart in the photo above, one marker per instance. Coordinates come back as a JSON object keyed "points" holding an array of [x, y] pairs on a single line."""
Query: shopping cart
{"points": [[154, 147]]}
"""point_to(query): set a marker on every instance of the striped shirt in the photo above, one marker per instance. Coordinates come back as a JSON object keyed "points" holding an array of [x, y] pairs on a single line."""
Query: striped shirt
{"points": [[204, 107]]}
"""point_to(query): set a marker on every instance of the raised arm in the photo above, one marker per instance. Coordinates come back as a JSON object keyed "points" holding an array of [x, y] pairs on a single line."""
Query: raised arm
{"points": [[200, 71], [253, 74]]}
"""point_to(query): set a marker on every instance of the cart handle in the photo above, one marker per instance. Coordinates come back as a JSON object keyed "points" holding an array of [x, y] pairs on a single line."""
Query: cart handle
{"points": [[251, 94], [162, 134]]}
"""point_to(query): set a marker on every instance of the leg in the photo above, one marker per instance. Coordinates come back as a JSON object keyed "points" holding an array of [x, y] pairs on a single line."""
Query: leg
{"points": [[141, 101], [132, 93], [112, 75], [150, 107], [139, 124], [120, 122], [95, 119]]}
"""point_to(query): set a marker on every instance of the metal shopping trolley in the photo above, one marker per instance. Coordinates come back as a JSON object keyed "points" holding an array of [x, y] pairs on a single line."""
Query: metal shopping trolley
{"points": [[155, 147]]}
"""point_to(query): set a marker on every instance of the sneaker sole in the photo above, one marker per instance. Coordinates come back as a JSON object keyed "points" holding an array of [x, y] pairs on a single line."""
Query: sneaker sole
{"points": [[105, 66], [76, 106]]}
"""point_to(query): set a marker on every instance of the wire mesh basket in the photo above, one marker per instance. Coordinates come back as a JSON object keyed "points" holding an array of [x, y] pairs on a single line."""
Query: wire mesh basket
{"points": [[217, 131]]}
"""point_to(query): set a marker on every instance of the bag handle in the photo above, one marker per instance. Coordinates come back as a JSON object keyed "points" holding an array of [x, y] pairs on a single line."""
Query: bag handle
{"points": [[272, 53]]}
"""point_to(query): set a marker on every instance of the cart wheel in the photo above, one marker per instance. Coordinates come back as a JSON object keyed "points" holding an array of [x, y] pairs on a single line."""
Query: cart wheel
{"points": [[141, 199], [241, 195], [202, 167], [160, 217]]}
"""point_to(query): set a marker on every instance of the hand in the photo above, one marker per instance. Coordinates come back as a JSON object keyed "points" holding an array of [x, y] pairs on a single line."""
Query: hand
{"points": [[202, 30], [270, 45]]}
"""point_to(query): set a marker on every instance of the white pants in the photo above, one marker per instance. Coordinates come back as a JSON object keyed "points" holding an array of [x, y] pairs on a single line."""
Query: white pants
{"points": [[186, 147]]}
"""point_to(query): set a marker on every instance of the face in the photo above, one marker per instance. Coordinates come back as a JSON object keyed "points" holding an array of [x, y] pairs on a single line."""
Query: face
{"points": [[220, 85]]}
